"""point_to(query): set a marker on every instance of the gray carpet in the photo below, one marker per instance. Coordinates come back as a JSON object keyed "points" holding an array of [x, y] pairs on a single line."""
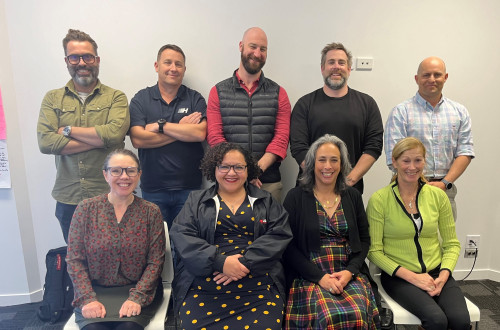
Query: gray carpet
{"points": [[485, 294]]}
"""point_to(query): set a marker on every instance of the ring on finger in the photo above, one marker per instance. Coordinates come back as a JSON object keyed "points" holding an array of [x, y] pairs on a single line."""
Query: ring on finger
{"points": [[331, 289]]}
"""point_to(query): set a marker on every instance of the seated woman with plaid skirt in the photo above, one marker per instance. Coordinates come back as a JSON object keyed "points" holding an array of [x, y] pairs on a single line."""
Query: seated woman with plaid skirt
{"points": [[330, 286]]}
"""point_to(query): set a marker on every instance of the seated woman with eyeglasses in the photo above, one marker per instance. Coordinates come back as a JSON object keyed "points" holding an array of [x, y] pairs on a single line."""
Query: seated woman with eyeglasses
{"points": [[229, 240], [116, 251]]}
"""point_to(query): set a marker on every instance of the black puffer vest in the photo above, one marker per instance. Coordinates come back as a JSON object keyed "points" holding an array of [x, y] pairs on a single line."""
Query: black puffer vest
{"points": [[249, 121]]}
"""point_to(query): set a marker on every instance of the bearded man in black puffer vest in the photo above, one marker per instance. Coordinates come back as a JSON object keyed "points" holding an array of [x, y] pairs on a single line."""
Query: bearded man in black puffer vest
{"points": [[252, 111]]}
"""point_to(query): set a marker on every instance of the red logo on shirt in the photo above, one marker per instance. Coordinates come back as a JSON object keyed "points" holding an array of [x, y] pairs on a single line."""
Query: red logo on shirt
{"points": [[58, 263]]}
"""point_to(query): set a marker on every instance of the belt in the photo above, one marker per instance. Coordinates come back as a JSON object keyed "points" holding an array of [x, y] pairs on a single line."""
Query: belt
{"points": [[433, 179]]}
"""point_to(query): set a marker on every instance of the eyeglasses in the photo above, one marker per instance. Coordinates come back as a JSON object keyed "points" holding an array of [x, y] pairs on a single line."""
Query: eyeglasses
{"points": [[75, 59], [117, 171], [236, 168]]}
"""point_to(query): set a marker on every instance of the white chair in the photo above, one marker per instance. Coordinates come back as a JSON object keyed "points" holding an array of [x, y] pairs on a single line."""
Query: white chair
{"points": [[158, 321], [402, 316]]}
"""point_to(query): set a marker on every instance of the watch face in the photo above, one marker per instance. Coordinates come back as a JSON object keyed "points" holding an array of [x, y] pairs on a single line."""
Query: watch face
{"points": [[447, 184], [162, 121], [66, 131]]}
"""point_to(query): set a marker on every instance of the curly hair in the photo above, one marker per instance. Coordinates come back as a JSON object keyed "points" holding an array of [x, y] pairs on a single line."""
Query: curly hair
{"points": [[215, 155], [307, 180], [77, 35]]}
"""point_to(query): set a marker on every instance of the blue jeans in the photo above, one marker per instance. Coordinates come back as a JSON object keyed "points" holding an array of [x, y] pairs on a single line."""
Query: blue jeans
{"points": [[64, 213], [170, 202]]}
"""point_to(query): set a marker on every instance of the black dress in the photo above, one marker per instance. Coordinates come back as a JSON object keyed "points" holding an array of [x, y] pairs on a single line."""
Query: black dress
{"points": [[250, 302]]}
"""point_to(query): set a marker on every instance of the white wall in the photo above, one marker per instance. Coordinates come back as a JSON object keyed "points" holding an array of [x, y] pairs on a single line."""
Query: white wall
{"points": [[397, 34]]}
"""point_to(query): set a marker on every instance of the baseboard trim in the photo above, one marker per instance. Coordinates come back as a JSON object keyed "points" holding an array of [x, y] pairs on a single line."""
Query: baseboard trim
{"points": [[17, 299], [477, 274]]}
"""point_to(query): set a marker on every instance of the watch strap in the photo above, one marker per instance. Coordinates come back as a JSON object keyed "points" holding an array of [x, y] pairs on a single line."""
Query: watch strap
{"points": [[447, 183]]}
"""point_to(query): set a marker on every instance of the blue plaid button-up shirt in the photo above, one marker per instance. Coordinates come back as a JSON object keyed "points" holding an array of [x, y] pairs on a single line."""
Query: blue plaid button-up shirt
{"points": [[445, 131]]}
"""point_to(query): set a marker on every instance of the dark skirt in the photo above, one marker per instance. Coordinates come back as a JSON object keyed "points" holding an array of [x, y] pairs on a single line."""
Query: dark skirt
{"points": [[250, 303], [113, 298]]}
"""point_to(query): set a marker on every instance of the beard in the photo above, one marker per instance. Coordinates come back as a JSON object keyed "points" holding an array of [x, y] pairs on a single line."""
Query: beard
{"points": [[335, 84], [252, 68], [85, 81]]}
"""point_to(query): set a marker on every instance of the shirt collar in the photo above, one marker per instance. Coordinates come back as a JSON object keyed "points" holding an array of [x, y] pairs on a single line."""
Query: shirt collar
{"points": [[70, 87], [420, 100], [157, 95], [242, 84]]}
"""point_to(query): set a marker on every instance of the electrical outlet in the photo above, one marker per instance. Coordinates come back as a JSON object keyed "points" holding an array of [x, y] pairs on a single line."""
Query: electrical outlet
{"points": [[470, 253], [364, 63], [472, 241]]}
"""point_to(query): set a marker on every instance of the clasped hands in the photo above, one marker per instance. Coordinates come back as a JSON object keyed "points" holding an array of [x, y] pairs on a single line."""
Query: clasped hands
{"points": [[335, 282], [432, 286], [97, 310], [233, 270]]}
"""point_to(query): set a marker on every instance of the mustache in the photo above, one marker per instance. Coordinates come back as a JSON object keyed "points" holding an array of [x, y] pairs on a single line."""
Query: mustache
{"points": [[251, 56]]}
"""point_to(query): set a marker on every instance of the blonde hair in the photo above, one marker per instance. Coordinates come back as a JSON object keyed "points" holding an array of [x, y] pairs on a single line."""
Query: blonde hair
{"points": [[405, 145]]}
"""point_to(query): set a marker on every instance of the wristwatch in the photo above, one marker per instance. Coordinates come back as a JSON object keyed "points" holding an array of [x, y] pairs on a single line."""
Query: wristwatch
{"points": [[66, 131], [447, 184], [161, 122]]}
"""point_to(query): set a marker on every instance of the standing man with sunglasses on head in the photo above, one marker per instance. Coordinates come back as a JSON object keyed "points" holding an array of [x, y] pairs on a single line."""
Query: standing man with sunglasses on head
{"points": [[80, 124], [167, 125]]}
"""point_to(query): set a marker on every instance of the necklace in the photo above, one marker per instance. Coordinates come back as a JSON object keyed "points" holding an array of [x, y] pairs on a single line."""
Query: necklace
{"points": [[233, 204], [328, 205], [410, 205]]}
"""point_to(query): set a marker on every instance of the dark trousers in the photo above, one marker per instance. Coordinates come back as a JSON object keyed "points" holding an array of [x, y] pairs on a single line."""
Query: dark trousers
{"points": [[446, 311], [64, 213]]}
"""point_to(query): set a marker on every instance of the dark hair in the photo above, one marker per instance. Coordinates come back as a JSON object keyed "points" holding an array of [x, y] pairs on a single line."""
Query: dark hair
{"points": [[307, 180], [124, 152], [172, 47], [214, 157], [335, 46], [76, 35]]}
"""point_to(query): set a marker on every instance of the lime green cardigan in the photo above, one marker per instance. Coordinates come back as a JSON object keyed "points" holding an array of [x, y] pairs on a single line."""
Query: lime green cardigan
{"points": [[395, 241]]}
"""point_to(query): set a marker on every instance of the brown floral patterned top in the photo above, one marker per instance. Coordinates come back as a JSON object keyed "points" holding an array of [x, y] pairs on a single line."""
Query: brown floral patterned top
{"points": [[105, 252]]}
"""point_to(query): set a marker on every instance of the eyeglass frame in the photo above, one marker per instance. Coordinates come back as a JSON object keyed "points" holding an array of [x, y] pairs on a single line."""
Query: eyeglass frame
{"points": [[126, 169], [80, 57], [232, 167]]}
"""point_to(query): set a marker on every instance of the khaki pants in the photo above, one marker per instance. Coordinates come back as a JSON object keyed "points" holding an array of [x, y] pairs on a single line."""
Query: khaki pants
{"points": [[451, 196], [274, 188]]}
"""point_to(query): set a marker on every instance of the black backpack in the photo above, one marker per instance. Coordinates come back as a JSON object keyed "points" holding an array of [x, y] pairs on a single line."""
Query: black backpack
{"points": [[58, 289]]}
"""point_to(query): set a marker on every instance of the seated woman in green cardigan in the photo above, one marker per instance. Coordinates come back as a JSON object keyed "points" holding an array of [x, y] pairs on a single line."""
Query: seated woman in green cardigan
{"points": [[406, 219]]}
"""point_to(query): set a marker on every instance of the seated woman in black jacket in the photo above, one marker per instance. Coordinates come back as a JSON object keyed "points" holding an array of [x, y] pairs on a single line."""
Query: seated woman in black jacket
{"points": [[331, 287], [228, 242]]}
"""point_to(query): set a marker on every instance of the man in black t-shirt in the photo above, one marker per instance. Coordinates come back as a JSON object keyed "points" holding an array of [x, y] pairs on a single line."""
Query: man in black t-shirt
{"points": [[337, 109]]}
